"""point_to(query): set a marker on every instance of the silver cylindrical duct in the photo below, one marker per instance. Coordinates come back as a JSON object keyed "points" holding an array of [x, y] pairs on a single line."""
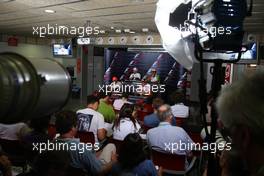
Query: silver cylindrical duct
{"points": [[31, 87]]}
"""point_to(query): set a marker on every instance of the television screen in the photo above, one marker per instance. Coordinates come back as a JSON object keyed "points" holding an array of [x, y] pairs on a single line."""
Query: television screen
{"points": [[62, 49]]}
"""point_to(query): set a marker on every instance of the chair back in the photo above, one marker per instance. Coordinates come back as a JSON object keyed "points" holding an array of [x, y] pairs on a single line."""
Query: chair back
{"points": [[86, 137], [15, 152], [117, 143], [198, 140], [180, 121], [52, 131], [71, 171], [11, 146], [146, 128], [141, 114], [196, 137], [168, 161]]}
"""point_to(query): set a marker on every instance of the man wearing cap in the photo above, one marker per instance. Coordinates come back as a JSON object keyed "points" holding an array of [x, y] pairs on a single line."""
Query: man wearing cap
{"points": [[115, 85]]}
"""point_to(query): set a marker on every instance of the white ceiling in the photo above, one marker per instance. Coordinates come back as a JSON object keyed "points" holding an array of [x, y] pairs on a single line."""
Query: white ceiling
{"points": [[18, 16]]}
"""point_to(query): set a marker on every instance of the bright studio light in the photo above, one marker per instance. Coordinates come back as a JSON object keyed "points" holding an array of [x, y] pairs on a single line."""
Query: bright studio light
{"points": [[173, 42], [216, 24], [50, 11]]}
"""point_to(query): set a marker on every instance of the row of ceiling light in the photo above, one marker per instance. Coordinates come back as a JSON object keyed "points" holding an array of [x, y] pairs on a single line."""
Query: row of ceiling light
{"points": [[128, 30]]}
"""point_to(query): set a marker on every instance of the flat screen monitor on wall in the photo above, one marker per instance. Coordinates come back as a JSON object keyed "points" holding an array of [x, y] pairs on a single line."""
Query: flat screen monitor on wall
{"points": [[62, 50]]}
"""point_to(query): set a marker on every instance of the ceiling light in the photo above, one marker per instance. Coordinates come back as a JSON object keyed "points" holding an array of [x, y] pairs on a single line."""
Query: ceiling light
{"points": [[137, 0], [4, 1], [132, 32], [112, 27], [118, 31], [145, 30], [50, 11], [127, 30], [253, 65]]}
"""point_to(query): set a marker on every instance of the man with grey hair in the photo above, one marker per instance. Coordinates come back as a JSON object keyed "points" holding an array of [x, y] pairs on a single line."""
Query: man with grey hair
{"points": [[135, 76], [241, 109], [168, 138]]}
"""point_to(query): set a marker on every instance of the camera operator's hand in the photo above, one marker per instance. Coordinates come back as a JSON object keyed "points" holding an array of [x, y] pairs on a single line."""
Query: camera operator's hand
{"points": [[5, 165]]}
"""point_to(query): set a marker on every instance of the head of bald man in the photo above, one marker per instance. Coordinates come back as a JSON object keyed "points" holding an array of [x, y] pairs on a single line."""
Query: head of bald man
{"points": [[165, 113]]}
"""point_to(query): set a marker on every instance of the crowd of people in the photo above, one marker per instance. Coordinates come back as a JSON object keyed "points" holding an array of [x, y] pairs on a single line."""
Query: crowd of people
{"points": [[240, 107]]}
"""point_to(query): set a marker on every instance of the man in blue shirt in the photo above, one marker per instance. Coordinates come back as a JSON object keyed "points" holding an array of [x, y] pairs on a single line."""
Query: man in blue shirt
{"points": [[168, 138], [82, 155], [152, 120]]}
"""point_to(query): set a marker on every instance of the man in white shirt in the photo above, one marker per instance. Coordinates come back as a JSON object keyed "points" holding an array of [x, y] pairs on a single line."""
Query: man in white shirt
{"points": [[135, 76], [90, 120], [153, 77], [13, 131], [179, 110]]}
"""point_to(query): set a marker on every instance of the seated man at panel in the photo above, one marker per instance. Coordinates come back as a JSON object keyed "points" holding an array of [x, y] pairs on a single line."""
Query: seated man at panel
{"points": [[152, 120], [82, 157], [241, 110], [153, 77], [168, 138], [90, 120], [105, 108], [115, 85], [135, 76]]}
